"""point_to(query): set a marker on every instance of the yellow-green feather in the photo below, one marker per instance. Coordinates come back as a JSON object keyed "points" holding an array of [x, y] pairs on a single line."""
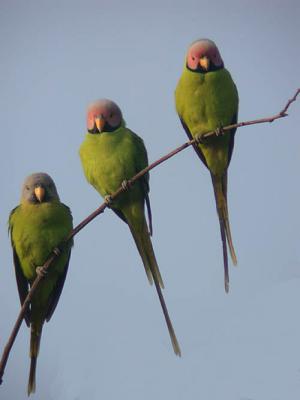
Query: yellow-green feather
{"points": [[108, 159], [206, 102], [36, 229]]}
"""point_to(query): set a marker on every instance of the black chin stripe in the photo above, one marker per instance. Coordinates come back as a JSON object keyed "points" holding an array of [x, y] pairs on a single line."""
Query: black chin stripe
{"points": [[106, 128], [34, 200], [93, 131], [199, 69]]}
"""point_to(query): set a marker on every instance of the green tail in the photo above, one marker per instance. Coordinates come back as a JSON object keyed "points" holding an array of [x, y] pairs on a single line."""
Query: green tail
{"points": [[142, 239], [35, 338], [220, 190]]}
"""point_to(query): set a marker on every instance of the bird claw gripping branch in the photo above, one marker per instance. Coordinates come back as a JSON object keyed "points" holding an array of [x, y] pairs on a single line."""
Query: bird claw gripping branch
{"points": [[57, 251], [41, 271], [126, 184], [219, 131], [108, 200], [199, 138]]}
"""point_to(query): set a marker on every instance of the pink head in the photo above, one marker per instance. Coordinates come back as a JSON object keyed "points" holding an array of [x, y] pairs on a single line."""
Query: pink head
{"points": [[203, 56], [103, 116]]}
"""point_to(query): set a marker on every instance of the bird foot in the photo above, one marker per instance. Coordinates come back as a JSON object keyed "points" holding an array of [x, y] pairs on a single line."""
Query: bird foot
{"points": [[41, 271], [126, 184], [219, 131], [199, 139], [108, 200], [57, 251]]}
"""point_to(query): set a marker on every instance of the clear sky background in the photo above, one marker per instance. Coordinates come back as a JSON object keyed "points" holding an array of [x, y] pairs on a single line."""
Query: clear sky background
{"points": [[107, 338]]}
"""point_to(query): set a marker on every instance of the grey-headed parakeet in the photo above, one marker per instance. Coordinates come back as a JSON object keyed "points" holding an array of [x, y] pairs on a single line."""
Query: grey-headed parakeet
{"points": [[37, 226], [110, 155], [207, 99]]}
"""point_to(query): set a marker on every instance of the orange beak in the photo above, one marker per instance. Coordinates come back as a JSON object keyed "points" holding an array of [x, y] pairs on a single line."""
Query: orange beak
{"points": [[39, 192], [204, 63], [100, 122]]}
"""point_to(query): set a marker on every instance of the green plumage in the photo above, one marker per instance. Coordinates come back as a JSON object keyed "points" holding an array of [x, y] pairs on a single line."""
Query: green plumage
{"points": [[206, 101], [36, 229], [110, 158]]}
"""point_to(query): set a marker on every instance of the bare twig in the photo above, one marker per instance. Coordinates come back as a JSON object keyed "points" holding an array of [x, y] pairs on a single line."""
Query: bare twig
{"points": [[281, 114], [54, 255]]}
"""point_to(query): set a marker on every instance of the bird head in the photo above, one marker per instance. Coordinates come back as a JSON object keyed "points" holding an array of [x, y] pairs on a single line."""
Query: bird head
{"points": [[203, 56], [39, 188], [103, 116]]}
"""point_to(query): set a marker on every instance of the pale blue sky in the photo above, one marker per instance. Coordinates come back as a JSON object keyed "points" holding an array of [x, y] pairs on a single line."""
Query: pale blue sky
{"points": [[107, 339]]}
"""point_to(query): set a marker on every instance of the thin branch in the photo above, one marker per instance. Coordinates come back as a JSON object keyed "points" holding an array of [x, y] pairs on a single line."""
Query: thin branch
{"points": [[281, 114], [54, 255]]}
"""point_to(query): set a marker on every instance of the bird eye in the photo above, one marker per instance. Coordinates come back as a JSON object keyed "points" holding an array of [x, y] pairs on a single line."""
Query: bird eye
{"points": [[193, 58], [27, 187]]}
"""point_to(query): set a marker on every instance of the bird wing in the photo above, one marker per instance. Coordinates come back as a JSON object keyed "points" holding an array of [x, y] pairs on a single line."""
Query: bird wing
{"points": [[23, 287], [54, 298], [232, 133], [57, 290], [141, 163], [196, 147], [120, 214], [22, 283]]}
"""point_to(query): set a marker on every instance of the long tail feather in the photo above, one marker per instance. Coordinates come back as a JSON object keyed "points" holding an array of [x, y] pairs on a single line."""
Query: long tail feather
{"points": [[35, 338], [149, 214], [144, 245], [31, 380], [139, 246], [220, 190], [225, 257], [228, 232], [172, 334]]}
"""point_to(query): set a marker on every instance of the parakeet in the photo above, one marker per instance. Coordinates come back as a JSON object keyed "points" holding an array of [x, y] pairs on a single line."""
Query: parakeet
{"points": [[37, 226], [110, 155], [206, 99]]}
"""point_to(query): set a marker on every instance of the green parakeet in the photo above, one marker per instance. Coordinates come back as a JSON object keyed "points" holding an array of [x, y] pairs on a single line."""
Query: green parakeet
{"points": [[207, 99], [36, 227], [110, 155]]}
